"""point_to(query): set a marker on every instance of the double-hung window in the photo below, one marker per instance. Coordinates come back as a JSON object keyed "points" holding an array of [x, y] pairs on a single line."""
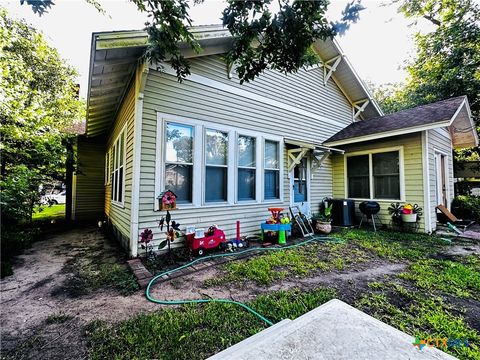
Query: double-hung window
{"points": [[179, 161], [107, 168], [271, 170], [118, 169], [216, 169], [374, 175], [246, 147]]}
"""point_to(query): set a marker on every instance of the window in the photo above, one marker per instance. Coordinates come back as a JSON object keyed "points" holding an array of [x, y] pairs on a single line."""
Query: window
{"points": [[386, 175], [374, 176], [107, 168], [216, 149], [358, 176], [246, 168], [272, 171], [179, 161], [118, 170]]}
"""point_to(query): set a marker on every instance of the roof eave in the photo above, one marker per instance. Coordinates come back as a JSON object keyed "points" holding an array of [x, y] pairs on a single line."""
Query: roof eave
{"points": [[386, 134]]}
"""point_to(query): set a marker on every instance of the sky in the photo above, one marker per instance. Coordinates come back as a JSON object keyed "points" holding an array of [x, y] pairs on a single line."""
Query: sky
{"points": [[378, 45]]}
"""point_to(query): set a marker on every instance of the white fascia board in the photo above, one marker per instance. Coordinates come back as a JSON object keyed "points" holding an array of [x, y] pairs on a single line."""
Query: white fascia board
{"points": [[359, 80], [167, 69], [387, 134]]}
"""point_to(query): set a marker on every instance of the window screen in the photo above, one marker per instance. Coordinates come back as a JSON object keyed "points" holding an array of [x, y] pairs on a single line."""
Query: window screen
{"points": [[386, 175], [179, 161], [216, 149], [246, 168], [272, 171], [358, 175]]}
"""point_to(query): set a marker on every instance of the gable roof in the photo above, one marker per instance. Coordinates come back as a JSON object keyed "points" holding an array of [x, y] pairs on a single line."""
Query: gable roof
{"points": [[115, 55], [454, 111]]}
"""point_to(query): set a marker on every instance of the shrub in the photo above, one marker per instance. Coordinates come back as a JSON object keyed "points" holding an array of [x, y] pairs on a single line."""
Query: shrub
{"points": [[467, 207]]}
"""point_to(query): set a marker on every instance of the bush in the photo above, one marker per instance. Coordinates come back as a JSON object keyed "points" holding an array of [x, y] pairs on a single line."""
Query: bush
{"points": [[466, 207]]}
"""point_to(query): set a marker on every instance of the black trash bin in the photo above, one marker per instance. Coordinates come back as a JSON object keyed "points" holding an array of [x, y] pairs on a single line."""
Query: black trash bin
{"points": [[343, 212]]}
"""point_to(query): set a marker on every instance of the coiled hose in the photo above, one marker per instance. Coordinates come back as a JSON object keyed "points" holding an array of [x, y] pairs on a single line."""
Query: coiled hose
{"points": [[226, 301]]}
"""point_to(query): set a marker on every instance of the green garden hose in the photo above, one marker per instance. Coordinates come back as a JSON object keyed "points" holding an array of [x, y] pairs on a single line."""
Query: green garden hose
{"points": [[199, 301]]}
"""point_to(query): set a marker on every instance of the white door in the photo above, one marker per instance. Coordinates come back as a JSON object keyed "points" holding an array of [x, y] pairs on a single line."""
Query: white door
{"points": [[300, 185], [441, 179]]}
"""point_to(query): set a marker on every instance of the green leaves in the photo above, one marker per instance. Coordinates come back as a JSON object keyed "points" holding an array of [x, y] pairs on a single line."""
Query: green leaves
{"points": [[38, 102], [448, 59]]}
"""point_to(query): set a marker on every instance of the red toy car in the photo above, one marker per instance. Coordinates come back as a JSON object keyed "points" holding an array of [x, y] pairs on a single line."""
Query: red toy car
{"points": [[214, 238]]}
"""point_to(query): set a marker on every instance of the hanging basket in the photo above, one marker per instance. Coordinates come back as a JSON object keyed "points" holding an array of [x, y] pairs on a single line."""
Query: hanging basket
{"points": [[409, 218]]}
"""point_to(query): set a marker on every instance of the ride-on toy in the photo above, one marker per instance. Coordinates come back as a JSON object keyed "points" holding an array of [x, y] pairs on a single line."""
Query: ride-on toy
{"points": [[213, 238]]}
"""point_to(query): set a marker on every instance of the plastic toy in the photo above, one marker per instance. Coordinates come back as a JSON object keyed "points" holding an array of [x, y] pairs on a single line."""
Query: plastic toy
{"points": [[213, 238]]}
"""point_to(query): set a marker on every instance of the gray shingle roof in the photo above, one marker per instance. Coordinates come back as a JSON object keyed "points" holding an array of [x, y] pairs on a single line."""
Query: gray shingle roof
{"points": [[423, 115]]}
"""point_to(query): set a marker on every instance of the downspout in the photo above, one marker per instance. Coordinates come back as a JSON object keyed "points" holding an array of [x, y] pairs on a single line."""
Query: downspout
{"points": [[140, 81]]}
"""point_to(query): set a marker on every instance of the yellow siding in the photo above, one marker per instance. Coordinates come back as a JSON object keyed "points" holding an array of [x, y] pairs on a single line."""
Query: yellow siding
{"points": [[413, 167], [118, 216], [89, 179], [163, 93]]}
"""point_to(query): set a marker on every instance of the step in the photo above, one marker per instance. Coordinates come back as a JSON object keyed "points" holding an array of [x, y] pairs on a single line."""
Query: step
{"points": [[234, 350], [334, 330]]}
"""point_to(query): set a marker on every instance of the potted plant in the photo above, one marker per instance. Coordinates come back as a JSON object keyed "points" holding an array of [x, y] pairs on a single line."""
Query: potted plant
{"points": [[323, 220], [411, 213]]}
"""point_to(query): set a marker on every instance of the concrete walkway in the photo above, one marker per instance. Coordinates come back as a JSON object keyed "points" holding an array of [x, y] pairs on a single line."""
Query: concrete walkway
{"points": [[334, 330]]}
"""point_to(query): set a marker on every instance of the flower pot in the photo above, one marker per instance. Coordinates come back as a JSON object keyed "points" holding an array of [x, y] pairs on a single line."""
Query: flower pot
{"points": [[409, 218], [323, 227]]}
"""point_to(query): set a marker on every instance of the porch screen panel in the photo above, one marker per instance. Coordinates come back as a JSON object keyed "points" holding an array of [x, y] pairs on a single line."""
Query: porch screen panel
{"points": [[246, 168], [179, 161], [386, 175], [272, 171], [358, 177], [216, 149]]}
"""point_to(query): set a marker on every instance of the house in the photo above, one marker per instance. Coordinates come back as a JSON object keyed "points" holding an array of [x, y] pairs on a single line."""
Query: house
{"points": [[230, 151]]}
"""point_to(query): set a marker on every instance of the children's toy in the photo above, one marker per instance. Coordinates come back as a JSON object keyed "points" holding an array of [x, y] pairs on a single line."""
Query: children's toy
{"points": [[211, 239], [277, 223]]}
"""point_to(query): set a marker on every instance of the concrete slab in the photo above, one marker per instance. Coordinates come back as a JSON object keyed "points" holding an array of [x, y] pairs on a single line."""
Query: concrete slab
{"points": [[334, 330]]}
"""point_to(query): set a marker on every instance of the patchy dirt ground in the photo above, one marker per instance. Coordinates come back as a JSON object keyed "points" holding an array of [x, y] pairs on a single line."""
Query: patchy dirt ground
{"points": [[43, 316], [37, 293]]}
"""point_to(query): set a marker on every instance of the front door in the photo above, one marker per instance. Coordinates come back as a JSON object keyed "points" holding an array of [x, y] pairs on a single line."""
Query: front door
{"points": [[441, 179], [300, 183]]}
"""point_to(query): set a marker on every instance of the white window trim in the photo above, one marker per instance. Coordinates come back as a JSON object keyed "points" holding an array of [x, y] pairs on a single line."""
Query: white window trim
{"points": [[447, 174], [256, 167], [107, 168], [199, 164], [370, 174], [123, 133], [280, 171], [227, 166]]}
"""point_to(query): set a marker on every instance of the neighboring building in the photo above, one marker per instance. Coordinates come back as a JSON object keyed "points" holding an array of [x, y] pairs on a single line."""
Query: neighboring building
{"points": [[230, 151]]}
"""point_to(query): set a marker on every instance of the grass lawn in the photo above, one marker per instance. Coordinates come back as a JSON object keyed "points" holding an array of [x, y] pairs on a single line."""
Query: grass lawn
{"points": [[435, 295], [49, 212]]}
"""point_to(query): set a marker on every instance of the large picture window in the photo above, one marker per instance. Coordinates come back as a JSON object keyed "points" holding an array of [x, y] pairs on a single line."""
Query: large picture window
{"points": [[216, 149], [246, 168], [272, 170], [179, 161], [118, 169], [374, 176]]}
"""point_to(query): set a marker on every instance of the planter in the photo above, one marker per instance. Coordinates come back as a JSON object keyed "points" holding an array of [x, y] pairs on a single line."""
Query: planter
{"points": [[323, 227], [409, 218]]}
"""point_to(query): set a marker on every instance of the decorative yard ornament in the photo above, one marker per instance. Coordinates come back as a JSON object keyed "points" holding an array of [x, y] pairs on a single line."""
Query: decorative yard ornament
{"points": [[167, 200], [145, 238], [172, 233]]}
